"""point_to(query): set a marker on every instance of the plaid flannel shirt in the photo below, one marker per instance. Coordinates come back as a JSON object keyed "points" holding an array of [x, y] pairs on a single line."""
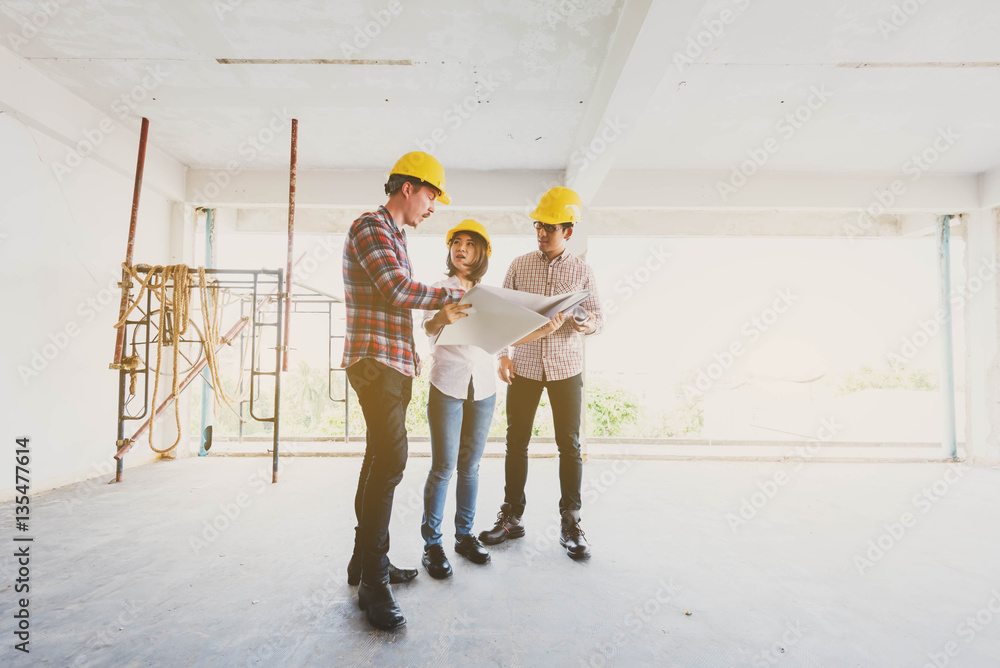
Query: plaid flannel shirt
{"points": [[380, 293], [560, 354]]}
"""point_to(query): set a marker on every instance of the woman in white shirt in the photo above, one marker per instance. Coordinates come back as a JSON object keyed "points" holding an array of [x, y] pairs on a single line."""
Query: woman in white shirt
{"points": [[460, 406], [459, 409]]}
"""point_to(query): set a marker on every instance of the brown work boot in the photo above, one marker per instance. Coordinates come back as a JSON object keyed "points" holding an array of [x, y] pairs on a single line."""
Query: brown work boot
{"points": [[572, 536], [508, 526]]}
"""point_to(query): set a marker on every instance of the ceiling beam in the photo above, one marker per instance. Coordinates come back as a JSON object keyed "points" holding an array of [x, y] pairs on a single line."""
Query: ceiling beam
{"points": [[642, 49], [361, 189], [791, 191], [602, 223]]}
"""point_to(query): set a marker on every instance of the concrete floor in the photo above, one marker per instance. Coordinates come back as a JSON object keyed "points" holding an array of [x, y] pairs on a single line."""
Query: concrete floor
{"points": [[135, 574]]}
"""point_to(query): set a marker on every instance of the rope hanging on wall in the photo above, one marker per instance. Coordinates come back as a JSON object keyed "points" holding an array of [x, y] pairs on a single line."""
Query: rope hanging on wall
{"points": [[175, 313]]}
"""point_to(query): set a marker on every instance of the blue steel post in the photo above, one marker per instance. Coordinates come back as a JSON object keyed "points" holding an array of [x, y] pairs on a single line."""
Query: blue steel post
{"points": [[948, 439]]}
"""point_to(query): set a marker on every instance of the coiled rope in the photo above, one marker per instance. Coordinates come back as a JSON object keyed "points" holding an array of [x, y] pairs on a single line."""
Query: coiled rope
{"points": [[175, 312]]}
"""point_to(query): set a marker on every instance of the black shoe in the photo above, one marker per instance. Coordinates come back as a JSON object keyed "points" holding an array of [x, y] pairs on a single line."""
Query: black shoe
{"points": [[380, 607], [507, 526], [572, 537], [436, 562], [470, 548], [396, 575]]}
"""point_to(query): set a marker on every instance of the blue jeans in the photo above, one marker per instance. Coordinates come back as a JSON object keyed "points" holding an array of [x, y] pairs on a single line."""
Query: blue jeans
{"points": [[459, 428]]}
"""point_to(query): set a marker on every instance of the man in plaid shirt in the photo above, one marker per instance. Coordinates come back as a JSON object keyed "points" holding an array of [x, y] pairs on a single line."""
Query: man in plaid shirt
{"points": [[554, 363], [381, 360]]}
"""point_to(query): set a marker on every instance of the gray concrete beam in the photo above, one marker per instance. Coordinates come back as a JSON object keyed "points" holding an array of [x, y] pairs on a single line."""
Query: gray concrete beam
{"points": [[601, 222]]}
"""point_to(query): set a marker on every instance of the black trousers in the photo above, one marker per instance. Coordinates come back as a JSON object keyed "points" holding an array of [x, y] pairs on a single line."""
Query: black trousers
{"points": [[566, 398], [384, 394]]}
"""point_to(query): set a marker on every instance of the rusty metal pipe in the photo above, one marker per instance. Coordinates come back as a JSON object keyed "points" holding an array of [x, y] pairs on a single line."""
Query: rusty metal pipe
{"points": [[126, 278], [293, 160]]}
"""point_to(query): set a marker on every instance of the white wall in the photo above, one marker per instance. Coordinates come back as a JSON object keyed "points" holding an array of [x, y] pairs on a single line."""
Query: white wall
{"points": [[982, 325], [60, 254]]}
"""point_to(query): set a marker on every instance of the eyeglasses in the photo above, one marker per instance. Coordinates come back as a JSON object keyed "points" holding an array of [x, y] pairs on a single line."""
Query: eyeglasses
{"points": [[548, 228]]}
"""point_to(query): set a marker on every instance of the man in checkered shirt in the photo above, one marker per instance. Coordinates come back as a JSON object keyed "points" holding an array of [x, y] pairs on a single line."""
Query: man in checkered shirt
{"points": [[553, 363], [381, 360]]}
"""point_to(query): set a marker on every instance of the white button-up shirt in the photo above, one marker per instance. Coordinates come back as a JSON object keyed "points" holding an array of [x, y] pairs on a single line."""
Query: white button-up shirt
{"points": [[452, 368]]}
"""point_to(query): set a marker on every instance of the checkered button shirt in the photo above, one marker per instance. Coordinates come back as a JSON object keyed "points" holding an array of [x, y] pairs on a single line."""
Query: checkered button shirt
{"points": [[380, 294], [560, 354]]}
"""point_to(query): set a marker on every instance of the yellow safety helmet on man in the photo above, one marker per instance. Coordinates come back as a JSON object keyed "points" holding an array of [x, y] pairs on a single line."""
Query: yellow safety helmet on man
{"points": [[469, 225], [559, 205], [425, 167]]}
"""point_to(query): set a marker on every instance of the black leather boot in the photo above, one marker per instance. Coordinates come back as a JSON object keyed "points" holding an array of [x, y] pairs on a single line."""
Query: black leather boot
{"points": [[572, 536], [380, 606], [470, 548], [436, 562], [507, 526]]}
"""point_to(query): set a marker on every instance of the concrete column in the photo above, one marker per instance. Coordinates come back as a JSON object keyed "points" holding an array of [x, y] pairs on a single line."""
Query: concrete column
{"points": [[982, 331]]}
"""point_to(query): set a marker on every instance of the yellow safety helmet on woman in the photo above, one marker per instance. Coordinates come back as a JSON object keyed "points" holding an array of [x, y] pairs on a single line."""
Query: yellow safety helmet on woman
{"points": [[425, 167], [559, 205], [469, 225]]}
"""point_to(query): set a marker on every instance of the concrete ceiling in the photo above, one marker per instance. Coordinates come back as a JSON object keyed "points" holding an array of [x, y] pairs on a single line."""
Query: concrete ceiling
{"points": [[520, 73], [537, 81], [891, 88]]}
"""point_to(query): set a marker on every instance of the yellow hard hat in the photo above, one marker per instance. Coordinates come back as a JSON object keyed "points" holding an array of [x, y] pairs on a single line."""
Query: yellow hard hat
{"points": [[469, 225], [424, 167], [559, 205]]}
